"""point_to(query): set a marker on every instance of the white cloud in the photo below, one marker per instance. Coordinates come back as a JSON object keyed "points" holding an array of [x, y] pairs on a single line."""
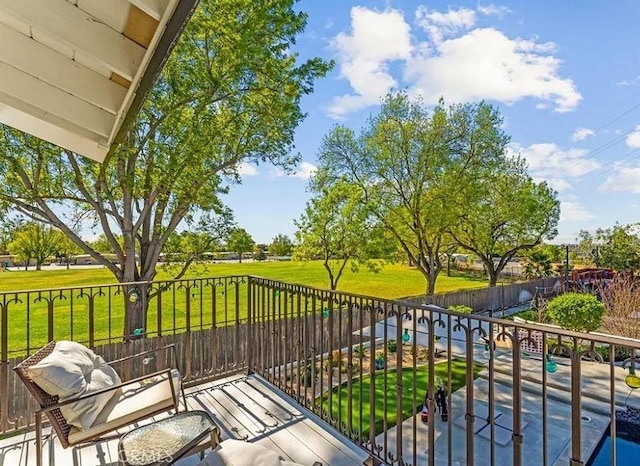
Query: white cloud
{"points": [[494, 10], [276, 172], [457, 60], [571, 211], [624, 179], [246, 169], [549, 161], [629, 82], [305, 171], [439, 25], [580, 134], [486, 64], [376, 38], [558, 184], [633, 139]]}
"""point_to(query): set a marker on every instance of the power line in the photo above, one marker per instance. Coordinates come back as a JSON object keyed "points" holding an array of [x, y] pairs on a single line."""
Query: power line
{"points": [[625, 113], [612, 168]]}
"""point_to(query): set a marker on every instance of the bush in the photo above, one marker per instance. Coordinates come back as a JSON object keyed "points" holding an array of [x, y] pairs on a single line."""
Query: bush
{"points": [[392, 346], [622, 353], [576, 311], [461, 308], [379, 361], [259, 255]]}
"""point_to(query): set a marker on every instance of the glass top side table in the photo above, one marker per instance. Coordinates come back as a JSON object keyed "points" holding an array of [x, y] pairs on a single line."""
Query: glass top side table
{"points": [[166, 441]]}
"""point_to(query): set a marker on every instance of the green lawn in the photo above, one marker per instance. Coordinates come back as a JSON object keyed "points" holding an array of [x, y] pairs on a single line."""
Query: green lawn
{"points": [[385, 389], [28, 318], [394, 281]]}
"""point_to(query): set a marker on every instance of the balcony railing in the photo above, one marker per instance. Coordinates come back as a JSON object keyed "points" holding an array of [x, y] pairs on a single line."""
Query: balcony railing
{"points": [[515, 392]]}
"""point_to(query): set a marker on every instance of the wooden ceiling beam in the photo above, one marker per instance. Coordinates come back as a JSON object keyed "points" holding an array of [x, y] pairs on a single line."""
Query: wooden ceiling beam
{"points": [[80, 31], [43, 125], [154, 8], [50, 99], [60, 71]]}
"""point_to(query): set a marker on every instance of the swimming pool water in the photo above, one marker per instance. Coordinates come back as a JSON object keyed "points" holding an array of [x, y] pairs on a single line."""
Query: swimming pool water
{"points": [[627, 446]]}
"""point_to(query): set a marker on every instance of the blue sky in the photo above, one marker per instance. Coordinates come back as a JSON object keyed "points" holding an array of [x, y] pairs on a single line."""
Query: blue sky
{"points": [[566, 79]]}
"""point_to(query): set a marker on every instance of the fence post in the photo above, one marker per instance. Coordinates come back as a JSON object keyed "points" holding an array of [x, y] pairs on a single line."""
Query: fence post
{"points": [[250, 336]]}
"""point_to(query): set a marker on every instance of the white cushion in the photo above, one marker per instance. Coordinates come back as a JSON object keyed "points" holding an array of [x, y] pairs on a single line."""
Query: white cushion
{"points": [[134, 402], [57, 375], [82, 414], [237, 453], [72, 371]]}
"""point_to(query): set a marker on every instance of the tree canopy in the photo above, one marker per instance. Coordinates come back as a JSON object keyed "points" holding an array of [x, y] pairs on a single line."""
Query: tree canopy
{"points": [[337, 229], [617, 247], [230, 92], [35, 241], [281, 245], [503, 212], [428, 174], [240, 242]]}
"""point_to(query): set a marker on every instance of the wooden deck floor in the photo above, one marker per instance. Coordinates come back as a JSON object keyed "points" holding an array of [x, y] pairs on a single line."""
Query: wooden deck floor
{"points": [[245, 408]]}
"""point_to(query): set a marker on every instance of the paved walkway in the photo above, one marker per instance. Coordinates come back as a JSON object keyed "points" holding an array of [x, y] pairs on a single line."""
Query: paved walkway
{"points": [[451, 437]]}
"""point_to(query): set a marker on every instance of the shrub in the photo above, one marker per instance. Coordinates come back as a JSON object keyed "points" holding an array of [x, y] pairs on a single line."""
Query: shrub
{"points": [[336, 357], [576, 311], [392, 346], [379, 361], [622, 353], [359, 350], [259, 255], [461, 308]]}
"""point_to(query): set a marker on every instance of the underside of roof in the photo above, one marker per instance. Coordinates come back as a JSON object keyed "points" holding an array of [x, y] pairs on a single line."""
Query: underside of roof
{"points": [[75, 72]]}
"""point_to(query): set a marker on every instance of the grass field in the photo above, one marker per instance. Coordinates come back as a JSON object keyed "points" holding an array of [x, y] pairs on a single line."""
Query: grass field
{"points": [[28, 316], [385, 390], [394, 281]]}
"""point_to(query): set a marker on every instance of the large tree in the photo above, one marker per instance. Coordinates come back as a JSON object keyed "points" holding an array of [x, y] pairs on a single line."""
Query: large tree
{"points": [[617, 247], [502, 213], [337, 229], [195, 245], [230, 92], [35, 241], [408, 161], [281, 245], [8, 228], [240, 241], [65, 249]]}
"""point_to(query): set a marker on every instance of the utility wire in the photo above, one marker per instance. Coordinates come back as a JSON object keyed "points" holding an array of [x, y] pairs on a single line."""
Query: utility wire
{"points": [[625, 113]]}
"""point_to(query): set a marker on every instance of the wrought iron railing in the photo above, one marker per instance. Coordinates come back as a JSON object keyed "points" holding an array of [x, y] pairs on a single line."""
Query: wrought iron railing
{"points": [[206, 319], [516, 393], [365, 365]]}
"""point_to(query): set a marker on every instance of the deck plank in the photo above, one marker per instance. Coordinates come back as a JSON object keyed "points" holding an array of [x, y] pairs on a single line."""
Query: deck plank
{"points": [[245, 408]]}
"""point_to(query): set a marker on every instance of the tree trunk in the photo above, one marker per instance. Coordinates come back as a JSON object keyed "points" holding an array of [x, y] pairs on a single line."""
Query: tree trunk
{"points": [[493, 277], [136, 303], [448, 266], [431, 286]]}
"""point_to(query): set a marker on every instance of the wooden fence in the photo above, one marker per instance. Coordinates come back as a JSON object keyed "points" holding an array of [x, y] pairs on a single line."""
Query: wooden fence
{"points": [[492, 299]]}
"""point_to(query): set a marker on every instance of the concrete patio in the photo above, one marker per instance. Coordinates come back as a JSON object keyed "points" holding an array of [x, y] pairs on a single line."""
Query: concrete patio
{"points": [[595, 416]]}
